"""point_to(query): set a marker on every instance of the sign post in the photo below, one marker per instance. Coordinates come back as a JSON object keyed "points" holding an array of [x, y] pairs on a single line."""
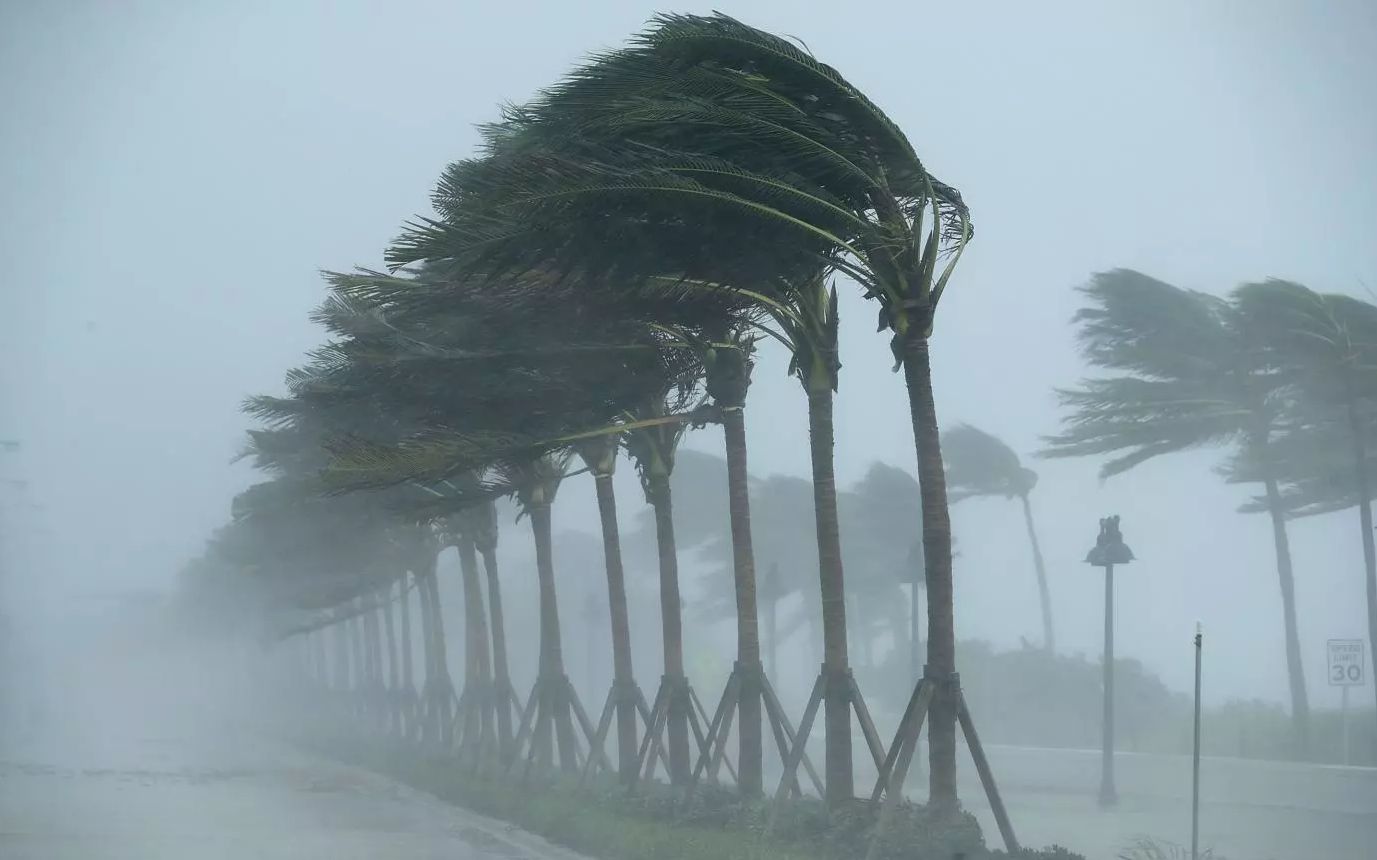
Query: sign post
{"points": [[1195, 754], [1346, 669]]}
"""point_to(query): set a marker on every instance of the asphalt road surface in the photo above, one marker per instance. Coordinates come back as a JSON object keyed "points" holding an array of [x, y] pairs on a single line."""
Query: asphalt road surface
{"points": [[144, 766]]}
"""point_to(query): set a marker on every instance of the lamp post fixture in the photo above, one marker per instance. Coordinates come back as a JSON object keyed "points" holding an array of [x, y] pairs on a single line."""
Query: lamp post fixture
{"points": [[1108, 551]]}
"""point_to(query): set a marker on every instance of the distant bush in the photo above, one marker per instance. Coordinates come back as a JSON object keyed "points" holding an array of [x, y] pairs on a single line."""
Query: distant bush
{"points": [[1026, 696]]}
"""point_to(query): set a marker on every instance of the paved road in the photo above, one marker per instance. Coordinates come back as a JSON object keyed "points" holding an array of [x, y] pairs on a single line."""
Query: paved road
{"points": [[120, 769], [163, 798], [1250, 810]]}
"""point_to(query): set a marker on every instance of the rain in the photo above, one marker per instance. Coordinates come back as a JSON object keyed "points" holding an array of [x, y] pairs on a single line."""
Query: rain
{"points": [[888, 431]]}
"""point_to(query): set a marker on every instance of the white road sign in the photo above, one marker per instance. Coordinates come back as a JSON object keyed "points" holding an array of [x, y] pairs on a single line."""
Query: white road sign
{"points": [[1346, 667]]}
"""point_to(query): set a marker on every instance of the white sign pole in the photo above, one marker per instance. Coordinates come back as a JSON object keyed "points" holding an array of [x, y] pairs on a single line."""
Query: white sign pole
{"points": [[1346, 669]]}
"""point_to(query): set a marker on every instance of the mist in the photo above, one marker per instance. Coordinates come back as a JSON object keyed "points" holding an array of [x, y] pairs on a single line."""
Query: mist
{"points": [[176, 176]]}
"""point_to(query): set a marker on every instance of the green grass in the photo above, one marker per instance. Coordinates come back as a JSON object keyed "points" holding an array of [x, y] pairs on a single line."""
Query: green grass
{"points": [[565, 816], [602, 820]]}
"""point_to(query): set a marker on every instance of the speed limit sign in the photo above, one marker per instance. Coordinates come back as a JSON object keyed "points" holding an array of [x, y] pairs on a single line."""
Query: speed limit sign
{"points": [[1346, 668]]}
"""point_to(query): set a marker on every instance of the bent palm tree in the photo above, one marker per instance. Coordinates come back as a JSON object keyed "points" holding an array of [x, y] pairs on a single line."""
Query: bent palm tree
{"points": [[550, 714], [652, 449], [978, 464], [599, 454], [1188, 378], [1325, 346]]}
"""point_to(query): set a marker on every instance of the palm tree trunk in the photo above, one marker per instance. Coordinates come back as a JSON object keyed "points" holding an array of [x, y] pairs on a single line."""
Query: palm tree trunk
{"points": [[837, 705], [427, 713], [932, 481], [355, 640], [551, 648], [752, 750], [1300, 706], [1361, 482], [444, 684], [408, 680], [1049, 639], [502, 679], [477, 665], [341, 631], [393, 686], [622, 671], [671, 625], [372, 643]]}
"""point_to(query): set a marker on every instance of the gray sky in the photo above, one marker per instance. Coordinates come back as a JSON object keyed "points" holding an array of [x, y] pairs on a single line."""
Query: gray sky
{"points": [[174, 173]]}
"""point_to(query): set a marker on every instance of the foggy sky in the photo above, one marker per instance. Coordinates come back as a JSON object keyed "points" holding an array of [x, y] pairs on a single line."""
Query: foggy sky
{"points": [[173, 175]]}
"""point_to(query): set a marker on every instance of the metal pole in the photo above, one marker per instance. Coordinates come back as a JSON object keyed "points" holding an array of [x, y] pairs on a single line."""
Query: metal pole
{"points": [[1344, 717], [1195, 759], [1108, 796]]}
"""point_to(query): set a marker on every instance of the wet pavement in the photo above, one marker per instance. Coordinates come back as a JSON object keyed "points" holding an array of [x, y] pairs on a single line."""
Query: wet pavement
{"points": [[268, 803], [117, 770]]}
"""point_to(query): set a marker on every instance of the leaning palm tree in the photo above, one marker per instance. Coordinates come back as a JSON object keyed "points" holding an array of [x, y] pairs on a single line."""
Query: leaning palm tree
{"points": [[599, 455], [1187, 376], [551, 702], [724, 348], [1325, 346], [714, 151], [979, 464], [652, 448]]}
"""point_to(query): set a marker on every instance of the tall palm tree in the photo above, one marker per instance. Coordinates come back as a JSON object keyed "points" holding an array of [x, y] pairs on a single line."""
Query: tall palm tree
{"points": [[979, 464], [1325, 346], [480, 523], [536, 482], [599, 455], [652, 449], [724, 348], [1187, 376], [477, 703]]}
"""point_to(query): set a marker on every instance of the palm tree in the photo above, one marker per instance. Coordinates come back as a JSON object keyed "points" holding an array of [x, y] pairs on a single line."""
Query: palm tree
{"points": [[476, 702], [717, 152], [480, 522], [1325, 346], [652, 449], [550, 705], [725, 355], [1188, 376], [599, 455], [979, 464]]}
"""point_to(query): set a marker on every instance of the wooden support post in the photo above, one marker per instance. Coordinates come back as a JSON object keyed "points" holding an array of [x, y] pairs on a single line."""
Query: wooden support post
{"points": [[982, 767], [798, 750], [783, 731], [872, 737]]}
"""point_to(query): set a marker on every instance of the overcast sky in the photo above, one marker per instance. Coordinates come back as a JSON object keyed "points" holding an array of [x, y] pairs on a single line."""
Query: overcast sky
{"points": [[173, 174]]}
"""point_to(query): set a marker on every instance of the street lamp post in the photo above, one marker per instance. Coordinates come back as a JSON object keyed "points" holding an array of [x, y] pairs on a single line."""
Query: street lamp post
{"points": [[1108, 551]]}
